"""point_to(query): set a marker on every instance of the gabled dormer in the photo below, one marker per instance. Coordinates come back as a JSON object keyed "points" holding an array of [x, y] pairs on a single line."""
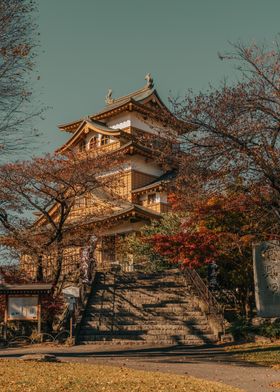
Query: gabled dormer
{"points": [[92, 135]]}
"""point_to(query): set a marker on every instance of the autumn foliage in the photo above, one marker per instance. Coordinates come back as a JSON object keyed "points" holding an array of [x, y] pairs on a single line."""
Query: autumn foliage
{"points": [[213, 229], [18, 46]]}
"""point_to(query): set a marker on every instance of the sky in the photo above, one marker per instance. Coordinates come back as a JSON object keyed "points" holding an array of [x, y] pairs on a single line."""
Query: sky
{"points": [[89, 46]]}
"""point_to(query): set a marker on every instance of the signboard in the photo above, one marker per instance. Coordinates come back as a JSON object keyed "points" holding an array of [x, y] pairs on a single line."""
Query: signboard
{"points": [[23, 308], [267, 278], [71, 291]]}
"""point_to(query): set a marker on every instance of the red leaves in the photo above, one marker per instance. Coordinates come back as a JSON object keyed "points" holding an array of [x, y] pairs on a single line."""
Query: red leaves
{"points": [[190, 248], [215, 228]]}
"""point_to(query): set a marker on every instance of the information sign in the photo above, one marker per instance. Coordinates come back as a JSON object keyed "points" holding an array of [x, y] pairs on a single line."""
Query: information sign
{"points": [[23, 308]]}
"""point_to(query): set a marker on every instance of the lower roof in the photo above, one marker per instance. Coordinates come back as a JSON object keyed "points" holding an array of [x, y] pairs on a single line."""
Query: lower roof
{"points": [[134, 210], [31, 288]]}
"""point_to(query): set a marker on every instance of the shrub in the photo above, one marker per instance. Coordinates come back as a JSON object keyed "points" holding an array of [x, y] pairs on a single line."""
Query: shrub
{"points": [[270, 329], [241, 328]]}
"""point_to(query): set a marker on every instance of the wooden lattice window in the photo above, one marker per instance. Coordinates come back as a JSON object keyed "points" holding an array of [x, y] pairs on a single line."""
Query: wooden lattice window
{"points": [[105, 139]]}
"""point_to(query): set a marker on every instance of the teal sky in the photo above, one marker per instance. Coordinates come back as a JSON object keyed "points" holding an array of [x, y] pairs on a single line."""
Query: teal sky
{"points": [[88, 46]]}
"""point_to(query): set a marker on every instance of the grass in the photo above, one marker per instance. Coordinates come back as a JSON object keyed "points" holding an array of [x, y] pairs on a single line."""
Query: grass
{"points": [[19, 376], [267, 354]]}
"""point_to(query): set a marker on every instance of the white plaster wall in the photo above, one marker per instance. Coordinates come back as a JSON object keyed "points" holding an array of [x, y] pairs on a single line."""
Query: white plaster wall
{"points": [[138, 121], [139, 163], [145, 165], [161, 197], [133, 119], [123, 169], [120, 122]]}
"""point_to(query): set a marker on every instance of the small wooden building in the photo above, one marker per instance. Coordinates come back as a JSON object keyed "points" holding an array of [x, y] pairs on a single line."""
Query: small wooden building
{"points": [[23, 302]]}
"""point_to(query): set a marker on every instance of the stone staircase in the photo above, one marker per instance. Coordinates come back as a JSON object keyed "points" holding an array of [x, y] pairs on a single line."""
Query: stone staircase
{"points": [[157, 308]]}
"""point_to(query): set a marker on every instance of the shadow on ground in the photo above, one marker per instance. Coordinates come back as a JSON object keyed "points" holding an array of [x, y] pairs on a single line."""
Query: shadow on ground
{"points": [[171, 354]]}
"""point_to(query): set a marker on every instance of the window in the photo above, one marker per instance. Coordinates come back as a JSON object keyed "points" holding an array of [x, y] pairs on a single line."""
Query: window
{"points": [[93, 142], [82, 146], [105, 139], [152, 198], [80, 202]]}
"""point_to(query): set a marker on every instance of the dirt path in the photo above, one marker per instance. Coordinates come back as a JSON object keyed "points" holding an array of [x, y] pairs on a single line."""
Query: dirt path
{"points": [[212, 363]]}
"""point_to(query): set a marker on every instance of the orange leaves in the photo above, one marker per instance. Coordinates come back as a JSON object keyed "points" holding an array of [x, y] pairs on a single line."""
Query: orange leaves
{"points": [[21, 50], [247, 239], [213, 201], [216, 228]]}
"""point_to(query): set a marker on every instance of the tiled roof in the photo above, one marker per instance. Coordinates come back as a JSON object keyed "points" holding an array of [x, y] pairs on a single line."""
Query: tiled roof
{"points": [[137, 96], [133, 208], [31, 288]]}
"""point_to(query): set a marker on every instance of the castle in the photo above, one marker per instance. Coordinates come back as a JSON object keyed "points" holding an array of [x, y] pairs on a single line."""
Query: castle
{"points": [[143, 187], [155, 308]]}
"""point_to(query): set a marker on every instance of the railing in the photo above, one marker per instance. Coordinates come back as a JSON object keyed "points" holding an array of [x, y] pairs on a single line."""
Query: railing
{"points": [[73, 314], [213, 307], [41, 337], [81, 305]]}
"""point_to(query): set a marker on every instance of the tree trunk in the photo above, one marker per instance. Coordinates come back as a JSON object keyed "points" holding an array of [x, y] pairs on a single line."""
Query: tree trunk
{"points": [[59, 261], [39, 271]]}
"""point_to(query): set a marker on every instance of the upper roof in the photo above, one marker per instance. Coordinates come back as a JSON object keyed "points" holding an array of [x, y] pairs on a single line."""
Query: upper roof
{"points": [[140, 100]]}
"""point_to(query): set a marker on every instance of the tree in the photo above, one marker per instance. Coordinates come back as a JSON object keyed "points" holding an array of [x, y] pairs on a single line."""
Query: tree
{"points": [[229, 145], [218, 231], [51, 187], [141, 248], [17, 54], [233, 132]]}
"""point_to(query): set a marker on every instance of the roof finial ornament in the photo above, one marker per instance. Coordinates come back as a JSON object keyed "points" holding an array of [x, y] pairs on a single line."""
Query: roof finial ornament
{"points": [[150, 81], [108, 98]]}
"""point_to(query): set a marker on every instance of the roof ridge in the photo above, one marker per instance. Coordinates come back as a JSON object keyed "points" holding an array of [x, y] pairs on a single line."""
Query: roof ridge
{"points": [[112, 101], [148, 86]]}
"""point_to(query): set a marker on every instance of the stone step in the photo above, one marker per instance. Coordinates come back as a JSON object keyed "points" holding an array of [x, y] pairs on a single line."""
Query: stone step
{"points": [[132, 317], [149, 324], [145, 323], [133, 320], [149, 281], [166, 288], [145, 306], [148, 329], [142, 308], [166, 308], [157, 339]]}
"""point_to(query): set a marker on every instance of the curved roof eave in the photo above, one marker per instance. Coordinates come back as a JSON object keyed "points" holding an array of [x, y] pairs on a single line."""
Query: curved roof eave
{"points": [[97, 127], [134, 209]]}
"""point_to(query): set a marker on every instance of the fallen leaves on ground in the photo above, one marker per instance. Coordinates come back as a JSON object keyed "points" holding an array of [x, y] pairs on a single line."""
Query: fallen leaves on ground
{"points": [[262, 354], [17, 376], [275, 385]]}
